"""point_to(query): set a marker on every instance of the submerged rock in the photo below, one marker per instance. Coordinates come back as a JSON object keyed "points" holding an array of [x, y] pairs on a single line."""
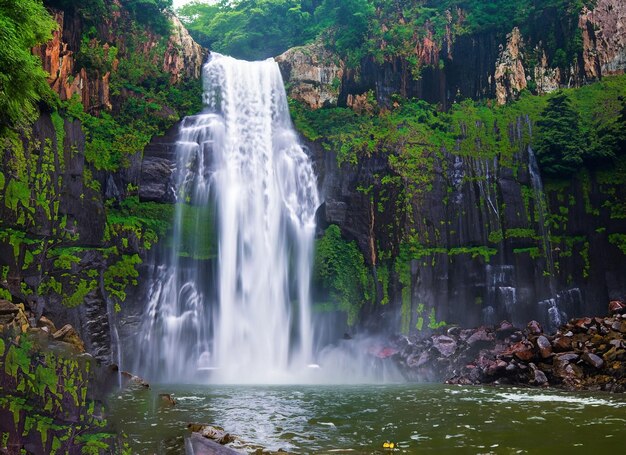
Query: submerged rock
{"points": [[166, 399]]}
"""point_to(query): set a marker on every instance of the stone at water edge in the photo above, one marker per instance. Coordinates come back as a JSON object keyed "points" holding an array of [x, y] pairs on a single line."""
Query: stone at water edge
{"points": [[199, 445], [540, 377], [213, 433], [166, 399], [131, 379]]}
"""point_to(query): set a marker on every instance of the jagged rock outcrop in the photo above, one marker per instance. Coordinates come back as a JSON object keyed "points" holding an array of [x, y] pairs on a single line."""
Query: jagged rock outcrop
{"points": [[510, 75], [604, 38], [456, 66], [313, 75], [183, 57], [547, 79], [61, 254], [157, 169]]}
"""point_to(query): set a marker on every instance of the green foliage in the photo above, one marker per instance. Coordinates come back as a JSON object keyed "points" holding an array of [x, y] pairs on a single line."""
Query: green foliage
{"points": [[118, 276], [347, 22], [90, 11], [45, 398], [559, 144], [146, 216], [341, 273], [95, 57], [251, 29], [619, 240], [150, 13], [23, 25]]}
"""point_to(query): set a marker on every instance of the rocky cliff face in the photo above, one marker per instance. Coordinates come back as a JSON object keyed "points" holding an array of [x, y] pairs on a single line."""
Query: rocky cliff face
{"points": [[475, 66], [510, 74], [182, 57], [487, 240], [604, 38], [313, 75], [67, 249]]}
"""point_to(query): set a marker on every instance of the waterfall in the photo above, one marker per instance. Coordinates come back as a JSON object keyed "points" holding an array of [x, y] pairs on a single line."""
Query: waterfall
{"points": [[541, 207], [247, 197]]}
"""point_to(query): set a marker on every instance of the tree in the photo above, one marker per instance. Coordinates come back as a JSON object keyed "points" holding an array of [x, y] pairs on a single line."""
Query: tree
{"points": [[559, 144], [348, 20], [23, 25], [150, 12], [251, 29]]}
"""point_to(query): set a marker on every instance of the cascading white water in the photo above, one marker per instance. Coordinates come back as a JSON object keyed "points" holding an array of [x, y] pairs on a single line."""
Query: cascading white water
{"points": [[239, 163]]}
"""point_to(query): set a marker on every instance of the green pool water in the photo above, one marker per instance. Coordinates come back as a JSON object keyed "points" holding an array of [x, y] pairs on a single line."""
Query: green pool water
{"points": [[360, 419]]}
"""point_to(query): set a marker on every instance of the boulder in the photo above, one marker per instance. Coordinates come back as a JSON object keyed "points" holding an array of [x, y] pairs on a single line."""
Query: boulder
{"points": [[46, 325], [617, 307], [504, 329], [534, 328], [480, 336], [544, 346], [591, 359], [8, 312], [539, 377], [562, 343], [522, 350], [131, 379], [68, 334], [213, 433], [166, 399], [199, 445], [445, 345]]}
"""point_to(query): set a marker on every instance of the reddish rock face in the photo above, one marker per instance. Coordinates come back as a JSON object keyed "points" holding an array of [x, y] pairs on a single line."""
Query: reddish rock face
{"points": [[311, 72], [182, 58], [510, 74], [480, 336], [604, 38]]}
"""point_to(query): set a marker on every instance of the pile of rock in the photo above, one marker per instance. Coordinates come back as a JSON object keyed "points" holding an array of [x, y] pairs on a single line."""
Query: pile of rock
{"points": [[584, 354], [15, 319]]}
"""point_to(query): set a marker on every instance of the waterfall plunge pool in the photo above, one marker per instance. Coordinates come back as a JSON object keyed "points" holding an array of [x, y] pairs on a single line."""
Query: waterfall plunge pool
{"points": [[361, 418]]}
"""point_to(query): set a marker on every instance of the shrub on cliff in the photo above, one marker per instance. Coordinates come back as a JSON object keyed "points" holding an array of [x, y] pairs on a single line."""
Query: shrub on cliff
{"points": [[559, 144], [23, 25]]}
